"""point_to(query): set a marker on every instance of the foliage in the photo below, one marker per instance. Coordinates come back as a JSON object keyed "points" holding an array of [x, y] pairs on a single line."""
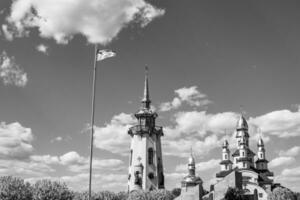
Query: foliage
{"points": [[176, 192], [48, 190], [161, 195], [152, 195], [14, 189], [281, 193], [233, 194]]}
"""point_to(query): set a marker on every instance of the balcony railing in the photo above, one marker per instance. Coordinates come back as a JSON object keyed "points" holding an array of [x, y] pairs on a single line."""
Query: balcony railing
{"points": [[140, 129]]}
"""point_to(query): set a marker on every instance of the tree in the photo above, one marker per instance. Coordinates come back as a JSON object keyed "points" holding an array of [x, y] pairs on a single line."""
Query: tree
{"points": [[281, 193], [48, 190], [14, 189], [233, 194]]}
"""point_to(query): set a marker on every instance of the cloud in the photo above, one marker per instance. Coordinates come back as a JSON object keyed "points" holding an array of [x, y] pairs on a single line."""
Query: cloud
{"points": [[15, 141], [57, 139], [7, 34], [280, 161], [10, 72], [200, 123], [113, 137], [42, 48], [201, 166], [98, 20], [198, 129], [281, 123], [190, 95], [76, 163], [294, 151]]}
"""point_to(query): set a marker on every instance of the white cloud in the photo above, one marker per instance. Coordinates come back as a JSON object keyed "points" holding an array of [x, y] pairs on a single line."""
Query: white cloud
{"points": [[46, 159], [7, 34], [294, 151], [42, 48], [282, 123], [98, 20], [201, 166], [10, 72], [113, 137], [57, 139], [190, 95], [15, 141], [280, 161]]}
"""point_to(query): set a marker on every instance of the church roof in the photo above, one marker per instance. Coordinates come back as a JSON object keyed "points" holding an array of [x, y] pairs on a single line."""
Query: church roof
{"points": [[262, 160], [222, 174], [237, 153], [225, 162], [241, 123]]}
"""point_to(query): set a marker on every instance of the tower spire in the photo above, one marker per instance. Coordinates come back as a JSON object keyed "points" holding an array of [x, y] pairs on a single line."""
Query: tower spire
{"points": [[146, 98]]}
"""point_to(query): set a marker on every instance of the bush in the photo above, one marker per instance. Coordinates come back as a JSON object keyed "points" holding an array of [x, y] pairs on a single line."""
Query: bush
{"points": [[281, 193], [48, 190], [233, 194], [161, 195], [14, 189], [176, 192]]}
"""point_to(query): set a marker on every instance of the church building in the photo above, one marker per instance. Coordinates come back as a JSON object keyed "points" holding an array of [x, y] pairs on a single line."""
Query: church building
{"points": [[243, 171], [145, 163]]}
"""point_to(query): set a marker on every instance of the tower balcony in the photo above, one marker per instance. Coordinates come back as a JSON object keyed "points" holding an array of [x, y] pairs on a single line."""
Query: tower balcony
{"points": [[142, 129]]}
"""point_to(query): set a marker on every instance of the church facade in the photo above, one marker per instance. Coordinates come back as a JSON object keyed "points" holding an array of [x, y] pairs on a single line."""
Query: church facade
{"points": [[251, 176], [145, 163]]}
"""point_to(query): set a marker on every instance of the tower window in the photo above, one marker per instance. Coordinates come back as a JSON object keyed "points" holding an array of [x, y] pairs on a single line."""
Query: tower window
{"points": [[150, 156], [225, 157], [244, 164], [151, 175], [243, 153]]}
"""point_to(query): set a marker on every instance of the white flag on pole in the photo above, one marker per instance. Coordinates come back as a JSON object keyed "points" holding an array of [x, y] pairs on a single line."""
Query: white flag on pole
{"points": [[103, 54]]}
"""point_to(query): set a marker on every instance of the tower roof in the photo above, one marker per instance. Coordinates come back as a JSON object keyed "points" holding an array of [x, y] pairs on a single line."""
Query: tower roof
{"points": [[191, 159], [242, 123], [260, 142], [146, 98], [225, 144]]}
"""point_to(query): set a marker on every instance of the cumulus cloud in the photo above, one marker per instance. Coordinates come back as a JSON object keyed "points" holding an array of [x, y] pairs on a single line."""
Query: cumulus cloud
{"points": [[113, 136], [15, 141], [281, 123], [201, 166], [280, 161], [10, 72], [190, 95], [98, 20], [42, 48], [294, 151], [76, 163]]}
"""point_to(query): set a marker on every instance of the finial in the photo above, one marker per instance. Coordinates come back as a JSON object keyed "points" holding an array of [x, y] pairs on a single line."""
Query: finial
{"points": [[146, 99], [242, 110]]}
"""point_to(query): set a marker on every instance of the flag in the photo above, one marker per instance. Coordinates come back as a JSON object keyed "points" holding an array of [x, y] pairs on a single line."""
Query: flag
{"points": [[103, 54]]}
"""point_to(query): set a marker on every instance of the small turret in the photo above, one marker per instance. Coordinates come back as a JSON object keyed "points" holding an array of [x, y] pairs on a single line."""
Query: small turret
{"points": [[242, 130], [261, 163], [226, 163]]}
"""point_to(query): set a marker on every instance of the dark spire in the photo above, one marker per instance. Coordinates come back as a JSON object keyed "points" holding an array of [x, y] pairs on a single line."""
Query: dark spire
{"points": [[146, 99]]}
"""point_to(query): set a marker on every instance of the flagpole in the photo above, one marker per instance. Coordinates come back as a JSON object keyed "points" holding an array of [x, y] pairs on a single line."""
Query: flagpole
{"points": [[92, 121]]}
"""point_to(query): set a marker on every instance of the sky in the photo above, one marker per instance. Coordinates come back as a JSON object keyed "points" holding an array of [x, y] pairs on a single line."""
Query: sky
{"points": [[208, 62]]}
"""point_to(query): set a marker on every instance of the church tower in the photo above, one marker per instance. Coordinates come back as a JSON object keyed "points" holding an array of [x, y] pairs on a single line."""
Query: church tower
{"points": [[145, 164], [261, 162], [243, 157], [226, 164]]}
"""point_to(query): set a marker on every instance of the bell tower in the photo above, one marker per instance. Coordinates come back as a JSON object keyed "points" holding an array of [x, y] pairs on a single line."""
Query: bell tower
{"points": [[145, 163]]}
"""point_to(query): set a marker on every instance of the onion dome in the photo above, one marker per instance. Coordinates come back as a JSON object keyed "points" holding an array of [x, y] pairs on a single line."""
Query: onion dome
{"points": [[260, 142], [242, 123], [225, 144], [191, 160]]}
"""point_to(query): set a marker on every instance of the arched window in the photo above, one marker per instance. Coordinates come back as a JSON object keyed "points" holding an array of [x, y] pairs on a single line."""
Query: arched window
{"points": [[225, 156], [150, 156]]}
